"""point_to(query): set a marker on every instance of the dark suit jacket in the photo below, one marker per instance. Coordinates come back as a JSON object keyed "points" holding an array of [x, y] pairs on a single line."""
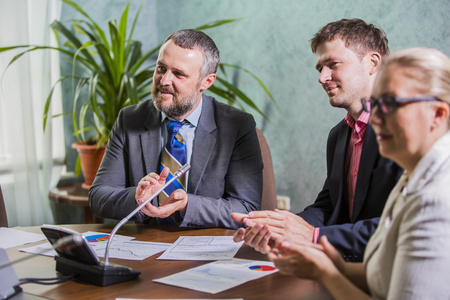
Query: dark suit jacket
{"points": [[376, 178], [226, 164]]}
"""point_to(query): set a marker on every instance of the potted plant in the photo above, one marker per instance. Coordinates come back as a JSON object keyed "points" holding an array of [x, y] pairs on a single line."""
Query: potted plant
{"points": [[116, 74]]}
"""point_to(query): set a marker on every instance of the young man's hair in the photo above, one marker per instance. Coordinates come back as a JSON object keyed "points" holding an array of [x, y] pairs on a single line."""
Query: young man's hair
{"points": [[359, 36]]}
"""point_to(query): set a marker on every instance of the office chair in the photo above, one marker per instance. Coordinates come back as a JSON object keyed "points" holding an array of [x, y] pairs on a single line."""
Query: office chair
{"points": [[3, 217], [269, 193]]}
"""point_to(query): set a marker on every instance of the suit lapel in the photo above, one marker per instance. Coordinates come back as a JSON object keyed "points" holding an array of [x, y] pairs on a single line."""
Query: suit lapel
{"points": [[204, 142], [337, 177], [369, 155], [151, 142]]}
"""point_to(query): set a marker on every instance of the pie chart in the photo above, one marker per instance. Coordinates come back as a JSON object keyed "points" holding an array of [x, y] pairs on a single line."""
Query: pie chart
{"points": [[97, 237], [261, 268]]}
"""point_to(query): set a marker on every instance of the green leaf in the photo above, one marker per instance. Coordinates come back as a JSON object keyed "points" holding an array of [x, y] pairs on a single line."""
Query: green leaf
{"points": [[133, 53], [131, 88], [3, 49], [77, 171], [130, 37], [263, 86], [216, 24], [241, 95], [80, 10], [49, 100], [123, 23], [81, 83], [222, 93], [82, 118]]}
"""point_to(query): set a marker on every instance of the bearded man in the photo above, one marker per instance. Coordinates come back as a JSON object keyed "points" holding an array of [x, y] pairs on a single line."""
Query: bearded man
{"points": [[218, 141]]}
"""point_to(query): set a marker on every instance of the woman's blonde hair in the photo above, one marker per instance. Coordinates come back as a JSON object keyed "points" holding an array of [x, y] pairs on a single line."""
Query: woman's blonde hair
{"points": [[429, 66]]}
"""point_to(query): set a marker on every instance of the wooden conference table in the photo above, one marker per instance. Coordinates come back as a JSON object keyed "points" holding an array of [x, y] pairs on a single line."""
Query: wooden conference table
{"points": [[275, 286]]}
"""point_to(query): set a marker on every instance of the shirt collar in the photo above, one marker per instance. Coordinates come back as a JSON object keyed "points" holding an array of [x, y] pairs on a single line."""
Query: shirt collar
{"points": [[360, 124]]}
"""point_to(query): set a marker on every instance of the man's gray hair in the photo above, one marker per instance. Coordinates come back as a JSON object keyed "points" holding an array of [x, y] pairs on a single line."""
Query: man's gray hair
{"points": [[192, 39]]}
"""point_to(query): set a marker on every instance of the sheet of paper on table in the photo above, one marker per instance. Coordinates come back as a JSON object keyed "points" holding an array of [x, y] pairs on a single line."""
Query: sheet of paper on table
{"points": [[92, 237], [121, 247], [131, 250], [219, 276], [10, 237], [202, 248]]}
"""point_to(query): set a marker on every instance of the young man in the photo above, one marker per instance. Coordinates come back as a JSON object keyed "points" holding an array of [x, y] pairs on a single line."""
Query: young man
{"points": [[218, 141], [359, 180]]}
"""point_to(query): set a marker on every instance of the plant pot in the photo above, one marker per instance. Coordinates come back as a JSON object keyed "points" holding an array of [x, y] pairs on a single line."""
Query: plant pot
{"points": [[90, 157]]}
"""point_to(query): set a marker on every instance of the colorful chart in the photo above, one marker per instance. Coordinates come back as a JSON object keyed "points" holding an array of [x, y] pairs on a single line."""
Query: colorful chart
{"points": [[97, 238], [261, 268]]}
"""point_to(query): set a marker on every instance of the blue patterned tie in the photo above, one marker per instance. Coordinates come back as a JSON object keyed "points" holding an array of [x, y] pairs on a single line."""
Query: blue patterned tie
{"points": [[173, 157]]}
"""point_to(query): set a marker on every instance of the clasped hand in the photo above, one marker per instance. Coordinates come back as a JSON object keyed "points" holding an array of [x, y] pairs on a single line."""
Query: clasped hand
{"points": [[177, 201], [266, 229], [307, 260]]}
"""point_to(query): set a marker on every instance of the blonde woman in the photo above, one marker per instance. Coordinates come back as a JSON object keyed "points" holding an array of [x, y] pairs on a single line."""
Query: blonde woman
{"points": [[408, 257]]}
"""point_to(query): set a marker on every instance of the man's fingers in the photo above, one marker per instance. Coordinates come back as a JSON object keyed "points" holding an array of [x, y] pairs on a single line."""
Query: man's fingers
{"points": [[238, 217], [258, 237], [265, 214], [164, 174], [150, 210], [289, 247], [248, 222], [239, 235], [163, 211]]}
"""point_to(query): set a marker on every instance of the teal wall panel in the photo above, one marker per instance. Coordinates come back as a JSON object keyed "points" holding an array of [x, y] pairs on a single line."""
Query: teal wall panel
{"points": [[272, 40]]}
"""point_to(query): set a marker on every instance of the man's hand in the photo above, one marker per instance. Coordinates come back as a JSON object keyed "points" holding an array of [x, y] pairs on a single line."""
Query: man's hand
{"points": [[151, 183], [257, 237], [268, 228]]}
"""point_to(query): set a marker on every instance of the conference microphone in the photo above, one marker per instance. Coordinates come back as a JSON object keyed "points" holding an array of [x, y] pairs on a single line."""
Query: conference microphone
{"points": [[76, 256], [183, 170]]}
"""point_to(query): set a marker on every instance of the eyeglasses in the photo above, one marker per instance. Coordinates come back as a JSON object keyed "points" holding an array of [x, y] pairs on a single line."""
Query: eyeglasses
{"points": [[388, 104]]}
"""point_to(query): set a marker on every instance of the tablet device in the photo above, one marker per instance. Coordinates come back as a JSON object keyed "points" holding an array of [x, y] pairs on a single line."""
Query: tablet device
{"points": [[70, 244], [76, 257]]}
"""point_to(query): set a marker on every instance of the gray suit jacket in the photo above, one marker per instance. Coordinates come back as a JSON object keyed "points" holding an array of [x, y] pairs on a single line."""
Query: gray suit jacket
{"points": [[226, 164]]}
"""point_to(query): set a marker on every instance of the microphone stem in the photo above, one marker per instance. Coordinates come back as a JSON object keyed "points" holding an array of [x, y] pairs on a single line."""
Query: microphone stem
{"points": [[177, 175]]}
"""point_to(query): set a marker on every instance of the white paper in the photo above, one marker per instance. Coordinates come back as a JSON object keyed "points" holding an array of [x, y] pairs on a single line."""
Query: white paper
{"points": [[131, 250], [202, 248], [10, 237], [47, 249], [218, 276], [42, 249], [121, 247]]}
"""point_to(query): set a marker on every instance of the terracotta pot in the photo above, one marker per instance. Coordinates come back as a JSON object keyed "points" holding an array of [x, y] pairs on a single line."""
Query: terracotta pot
{"points": [[90, 157]]}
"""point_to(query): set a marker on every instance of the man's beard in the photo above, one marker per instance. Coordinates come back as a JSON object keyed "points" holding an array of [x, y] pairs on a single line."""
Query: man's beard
{"points": [[180, 105]]}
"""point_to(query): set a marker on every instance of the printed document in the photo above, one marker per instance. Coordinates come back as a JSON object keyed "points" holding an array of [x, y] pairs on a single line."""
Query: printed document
{"points": [[121, 247], [11, 237], [219, 276], [202, 248]]}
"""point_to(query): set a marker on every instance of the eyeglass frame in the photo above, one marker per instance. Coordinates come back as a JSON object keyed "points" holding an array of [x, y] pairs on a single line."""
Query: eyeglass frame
{"points": [[391, 108]]}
